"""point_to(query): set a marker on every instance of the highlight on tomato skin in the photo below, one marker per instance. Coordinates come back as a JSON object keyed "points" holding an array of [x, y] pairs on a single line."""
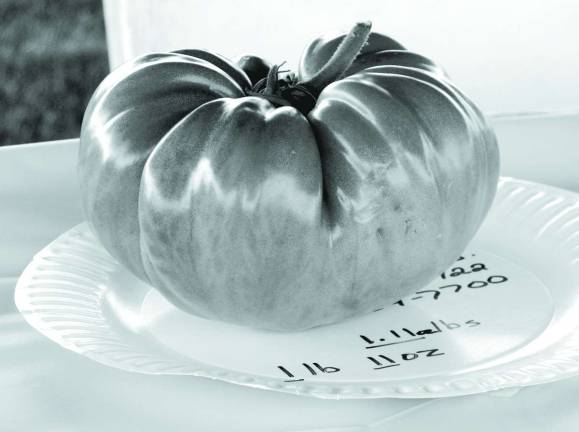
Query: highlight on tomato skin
{"points": [[285, 200]]}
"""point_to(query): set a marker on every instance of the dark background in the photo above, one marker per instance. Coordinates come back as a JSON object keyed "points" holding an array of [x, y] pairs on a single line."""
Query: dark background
{"points": [[53, 55]]}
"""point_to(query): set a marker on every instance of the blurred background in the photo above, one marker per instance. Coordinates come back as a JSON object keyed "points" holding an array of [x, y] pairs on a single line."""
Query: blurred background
{"points": [[514, 58], [53, 54]]}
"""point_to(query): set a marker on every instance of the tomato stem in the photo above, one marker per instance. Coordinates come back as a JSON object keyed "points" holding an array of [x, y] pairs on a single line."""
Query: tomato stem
{"points": [[342, 58], [271, 82], [303, 95]]}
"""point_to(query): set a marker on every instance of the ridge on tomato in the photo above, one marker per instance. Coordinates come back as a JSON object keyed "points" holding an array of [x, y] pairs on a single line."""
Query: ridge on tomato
{"points": [[286, 201]]}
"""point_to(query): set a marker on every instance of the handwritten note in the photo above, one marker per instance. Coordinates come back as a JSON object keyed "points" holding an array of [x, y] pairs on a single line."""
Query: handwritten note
{"points": [[480, 277], [383, 362], [394, 337], [484, 306], [404, 335], [313, 369], [382, 350]]}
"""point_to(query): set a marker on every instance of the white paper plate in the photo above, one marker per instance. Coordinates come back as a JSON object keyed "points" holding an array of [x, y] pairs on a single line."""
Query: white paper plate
{"points": [[505, 315]]}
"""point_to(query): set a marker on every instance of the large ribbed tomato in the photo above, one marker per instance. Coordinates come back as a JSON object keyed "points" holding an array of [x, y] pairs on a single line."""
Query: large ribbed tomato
{"points": [[286, 202]]}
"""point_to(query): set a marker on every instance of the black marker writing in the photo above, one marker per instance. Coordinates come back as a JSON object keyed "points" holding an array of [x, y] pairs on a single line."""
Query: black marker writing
{"points": [[314, 369], [382, 361], [434, 327], [434, 294]]}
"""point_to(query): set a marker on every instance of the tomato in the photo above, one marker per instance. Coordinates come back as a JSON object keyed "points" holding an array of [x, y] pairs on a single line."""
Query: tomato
{"points": [[286, 202]]}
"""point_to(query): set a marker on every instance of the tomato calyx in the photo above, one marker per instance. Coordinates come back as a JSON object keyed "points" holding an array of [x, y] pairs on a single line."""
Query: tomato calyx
{"points": [[303, 95], [286, 91]]}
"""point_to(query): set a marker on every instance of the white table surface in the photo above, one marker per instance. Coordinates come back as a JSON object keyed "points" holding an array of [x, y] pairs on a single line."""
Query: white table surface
{"points": [[46, 388]]}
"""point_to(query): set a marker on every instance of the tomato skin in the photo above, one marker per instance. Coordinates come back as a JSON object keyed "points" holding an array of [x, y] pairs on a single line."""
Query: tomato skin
{"points": [[231, 206], [130, 112], [245, 212], [418, 196], [230, 68]]}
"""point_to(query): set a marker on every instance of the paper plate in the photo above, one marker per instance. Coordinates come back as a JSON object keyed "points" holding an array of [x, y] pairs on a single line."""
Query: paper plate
{"points": [[504, 315]]}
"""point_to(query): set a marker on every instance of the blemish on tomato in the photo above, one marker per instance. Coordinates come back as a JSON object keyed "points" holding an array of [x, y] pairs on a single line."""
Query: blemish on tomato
{"points": [[380, 233], [407, 226]]}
